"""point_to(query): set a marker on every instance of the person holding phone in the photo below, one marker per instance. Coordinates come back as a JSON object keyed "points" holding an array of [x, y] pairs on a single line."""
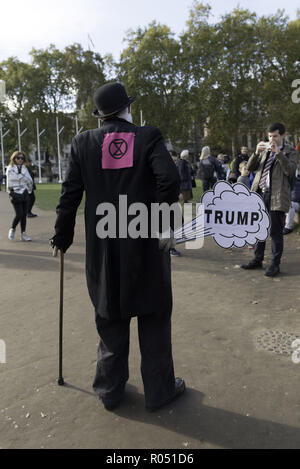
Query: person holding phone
{"points": [[275, 164]]}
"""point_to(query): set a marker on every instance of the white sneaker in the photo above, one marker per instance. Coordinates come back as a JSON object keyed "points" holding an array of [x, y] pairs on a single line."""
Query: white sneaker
{"points": [[25, 237], [11, 234]]}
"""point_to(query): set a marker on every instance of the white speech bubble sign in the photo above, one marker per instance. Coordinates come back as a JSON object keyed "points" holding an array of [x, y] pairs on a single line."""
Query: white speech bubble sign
{"points": [[235, 216], [232, 214]]}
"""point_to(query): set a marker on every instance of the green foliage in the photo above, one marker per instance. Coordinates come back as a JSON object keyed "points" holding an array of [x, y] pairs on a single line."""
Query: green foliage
{"points": [[228, 77], [150, 68], [55, 84]]}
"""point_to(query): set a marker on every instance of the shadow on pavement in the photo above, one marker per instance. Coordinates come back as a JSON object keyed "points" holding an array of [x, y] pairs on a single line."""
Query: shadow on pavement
{"points": [[191, 418]]}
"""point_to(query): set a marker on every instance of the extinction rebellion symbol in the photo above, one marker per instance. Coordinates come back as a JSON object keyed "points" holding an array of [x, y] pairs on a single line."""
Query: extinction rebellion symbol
{"points": [[118, 148]]}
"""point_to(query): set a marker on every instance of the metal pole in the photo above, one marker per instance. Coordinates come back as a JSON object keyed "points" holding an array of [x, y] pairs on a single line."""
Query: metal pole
{"points": [[58, 150], [38, 134], [58, 132], [141, 117], [2, 150], [2, 135], [20, 134], [76, 126]]}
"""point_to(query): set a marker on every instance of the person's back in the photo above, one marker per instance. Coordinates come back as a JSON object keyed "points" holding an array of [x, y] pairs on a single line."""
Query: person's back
{"points": [[137, 263], [185, 174], [209, 168], [123, 169], [206, 168]]}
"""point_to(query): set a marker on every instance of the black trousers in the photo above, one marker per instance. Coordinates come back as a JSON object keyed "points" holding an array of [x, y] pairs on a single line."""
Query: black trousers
{"points": [[276, 232], [30, 203], [21, 212], [208, 183], [156, 358]]}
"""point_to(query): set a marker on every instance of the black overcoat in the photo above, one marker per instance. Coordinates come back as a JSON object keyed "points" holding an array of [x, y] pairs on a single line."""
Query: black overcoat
{"points": [[125, 277]]}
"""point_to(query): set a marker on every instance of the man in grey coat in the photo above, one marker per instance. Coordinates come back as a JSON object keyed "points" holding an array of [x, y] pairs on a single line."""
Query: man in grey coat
{"points": [[126, 276], [275, 165]]}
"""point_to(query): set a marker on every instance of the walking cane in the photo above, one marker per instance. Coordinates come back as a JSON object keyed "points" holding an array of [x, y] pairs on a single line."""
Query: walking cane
{"points": [[60, 380]]}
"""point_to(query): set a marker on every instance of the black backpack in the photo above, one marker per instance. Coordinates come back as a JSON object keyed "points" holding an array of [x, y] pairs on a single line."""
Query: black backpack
{"points": [[206, 169]]}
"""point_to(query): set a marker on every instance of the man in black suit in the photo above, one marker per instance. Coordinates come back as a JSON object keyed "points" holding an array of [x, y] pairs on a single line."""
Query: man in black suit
{"points": [[126, 277]]}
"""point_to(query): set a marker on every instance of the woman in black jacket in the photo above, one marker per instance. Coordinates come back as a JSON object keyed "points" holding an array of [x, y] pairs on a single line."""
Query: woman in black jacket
{"points": [[185, 174], [209, 168]]}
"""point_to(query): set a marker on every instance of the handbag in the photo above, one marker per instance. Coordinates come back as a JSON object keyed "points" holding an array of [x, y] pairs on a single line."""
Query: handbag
{"points": [[16, 198]]}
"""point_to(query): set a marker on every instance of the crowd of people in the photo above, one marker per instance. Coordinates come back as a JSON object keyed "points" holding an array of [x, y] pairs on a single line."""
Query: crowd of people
{"points": [[210, 169], [132, 277], [271, 172]]}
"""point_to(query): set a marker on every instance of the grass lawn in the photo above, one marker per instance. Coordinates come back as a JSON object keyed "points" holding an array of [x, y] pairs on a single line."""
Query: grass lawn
{"points": [[197, 191], [47, 196]]}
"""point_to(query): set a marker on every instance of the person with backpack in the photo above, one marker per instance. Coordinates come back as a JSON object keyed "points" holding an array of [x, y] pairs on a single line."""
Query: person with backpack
{"points": [[208, 167]]}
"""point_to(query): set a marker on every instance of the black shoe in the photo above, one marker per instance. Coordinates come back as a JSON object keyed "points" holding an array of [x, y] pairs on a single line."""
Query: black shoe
{"points": [[272, 270], [254, 264], [174, 252], [287, 231], [31, 215], [179, 389], [111, 405]]}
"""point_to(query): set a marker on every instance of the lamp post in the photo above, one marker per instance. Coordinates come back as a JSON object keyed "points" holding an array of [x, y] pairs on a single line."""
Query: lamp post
{"points": [[58, 132], [141, 117], [76, 126], [38, 134], [20, 134], [2, 135]]}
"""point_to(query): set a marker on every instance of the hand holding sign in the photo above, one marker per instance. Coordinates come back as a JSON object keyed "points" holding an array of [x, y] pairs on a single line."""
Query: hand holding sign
{"points": [[232, 215]]}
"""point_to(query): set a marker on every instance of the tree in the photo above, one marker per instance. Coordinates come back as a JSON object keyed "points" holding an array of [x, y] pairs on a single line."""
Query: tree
{"points": [[149, 68], [55, 84]]}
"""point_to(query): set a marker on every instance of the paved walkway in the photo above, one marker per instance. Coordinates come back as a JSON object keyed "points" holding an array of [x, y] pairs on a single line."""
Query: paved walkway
{"points": [[238, 395]]}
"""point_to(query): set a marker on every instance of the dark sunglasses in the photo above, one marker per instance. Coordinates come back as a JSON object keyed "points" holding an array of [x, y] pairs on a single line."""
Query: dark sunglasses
{"points": [[20, 158]]}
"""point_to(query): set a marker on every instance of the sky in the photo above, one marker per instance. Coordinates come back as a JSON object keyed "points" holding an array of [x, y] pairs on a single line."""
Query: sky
{"points": [[37, 23]]}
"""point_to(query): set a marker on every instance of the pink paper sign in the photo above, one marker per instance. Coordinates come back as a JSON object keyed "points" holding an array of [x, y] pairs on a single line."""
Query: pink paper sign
{"points": [[117, 150]]}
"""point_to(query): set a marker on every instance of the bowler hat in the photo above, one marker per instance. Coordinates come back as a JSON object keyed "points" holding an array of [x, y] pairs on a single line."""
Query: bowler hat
{"points": [[111, 99]]}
